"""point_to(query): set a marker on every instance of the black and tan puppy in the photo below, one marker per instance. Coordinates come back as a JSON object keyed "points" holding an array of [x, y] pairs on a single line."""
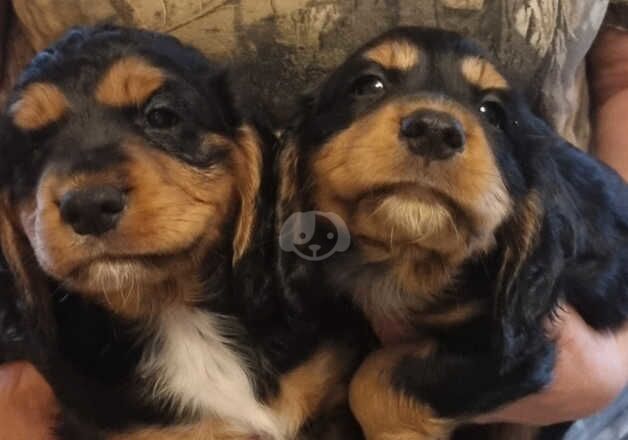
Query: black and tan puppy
{"points": [[470, 221], [137, 220]]}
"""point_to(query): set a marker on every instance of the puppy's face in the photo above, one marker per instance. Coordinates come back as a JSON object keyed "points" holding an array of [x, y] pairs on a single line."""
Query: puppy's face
{"points": [[407, 142], [125, 161]]}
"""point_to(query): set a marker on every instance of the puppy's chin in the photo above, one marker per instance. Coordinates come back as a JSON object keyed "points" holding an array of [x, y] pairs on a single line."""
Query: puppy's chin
{"points": [[117, 275], [400, 219], [137, 286]]}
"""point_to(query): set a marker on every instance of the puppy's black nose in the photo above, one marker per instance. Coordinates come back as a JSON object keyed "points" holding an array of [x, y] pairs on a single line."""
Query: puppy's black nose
{"points": [[433, 134], [92, 211]]}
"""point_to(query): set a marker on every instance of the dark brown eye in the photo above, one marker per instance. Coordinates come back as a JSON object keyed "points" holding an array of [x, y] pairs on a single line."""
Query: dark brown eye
{"points": [[162, 118], [368, 85], [493, 111]]}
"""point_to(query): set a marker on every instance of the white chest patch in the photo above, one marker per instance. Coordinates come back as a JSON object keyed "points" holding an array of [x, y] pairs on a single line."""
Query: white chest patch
{"points": [[193, 366]]}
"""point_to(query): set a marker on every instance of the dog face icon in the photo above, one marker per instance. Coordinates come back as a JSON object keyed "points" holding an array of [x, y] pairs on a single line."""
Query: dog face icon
{"points": [[314, 235]]}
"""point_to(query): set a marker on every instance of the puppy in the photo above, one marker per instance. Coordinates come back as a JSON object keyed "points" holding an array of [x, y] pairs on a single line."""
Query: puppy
{"points": [[470, 222], [137, 221]]}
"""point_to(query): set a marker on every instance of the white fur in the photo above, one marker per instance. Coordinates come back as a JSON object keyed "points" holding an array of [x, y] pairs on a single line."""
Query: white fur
{"points": [[193, 366]]}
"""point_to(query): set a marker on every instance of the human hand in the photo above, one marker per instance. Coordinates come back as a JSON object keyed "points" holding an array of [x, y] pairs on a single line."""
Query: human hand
{"points": [[591, 371], [27, 404], [609, 84]]}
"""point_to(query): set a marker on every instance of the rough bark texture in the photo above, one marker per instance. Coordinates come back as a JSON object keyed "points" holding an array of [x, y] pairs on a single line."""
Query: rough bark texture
{"points": [[283, 47]]}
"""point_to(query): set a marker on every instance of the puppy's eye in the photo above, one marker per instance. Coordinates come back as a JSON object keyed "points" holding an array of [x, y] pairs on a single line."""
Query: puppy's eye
{"points": [[368, 85], [493, 110], [162, 118]]}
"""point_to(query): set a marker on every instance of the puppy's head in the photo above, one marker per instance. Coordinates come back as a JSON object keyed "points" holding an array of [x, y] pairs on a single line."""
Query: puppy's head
{"points": [[411, 141], [124, 164]]}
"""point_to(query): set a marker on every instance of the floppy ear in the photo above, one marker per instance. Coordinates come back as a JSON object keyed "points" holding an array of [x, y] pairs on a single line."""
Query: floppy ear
{"points": [[10, 319], [525, 291], [13, 243], [288, 166], [12, 332], [17, 253], [15, 292], [7, 137], [23, 304], [249, 167], [530, 256], [28, 280], [10, 246], [587, 204], [287, 175], [288, 163]]}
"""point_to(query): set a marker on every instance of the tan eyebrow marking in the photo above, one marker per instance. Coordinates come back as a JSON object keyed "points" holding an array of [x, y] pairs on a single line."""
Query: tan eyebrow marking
{"points": [[39, 105], [394, 54], [482, 74], [129, 81]]}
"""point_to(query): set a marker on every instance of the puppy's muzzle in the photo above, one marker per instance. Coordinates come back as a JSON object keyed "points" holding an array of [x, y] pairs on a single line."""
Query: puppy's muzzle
{"points": [[432, 134], [92, 210]]}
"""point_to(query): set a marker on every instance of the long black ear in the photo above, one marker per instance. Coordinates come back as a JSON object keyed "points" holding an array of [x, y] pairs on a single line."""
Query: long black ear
{"points": [[526, 285], [9, 134], [568, 240], [14, 301], [535, 242], [24, 299], [300, 279], [12, 326], [288, 163], [17, 291]]}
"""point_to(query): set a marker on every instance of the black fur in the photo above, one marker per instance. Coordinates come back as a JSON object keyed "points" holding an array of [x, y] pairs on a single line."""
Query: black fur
{"points": [[87, 353], [580, 253]]}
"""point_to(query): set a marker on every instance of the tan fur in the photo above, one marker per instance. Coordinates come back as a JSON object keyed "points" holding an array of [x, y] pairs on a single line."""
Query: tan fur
{"points": [[248, 170], [423, 219], [412, 280], [288, 188], [30, 281], [513, 432], [129, 82], [311, 386], [15, 249], [303, 392], [38, 106], [522, 231], [482, 74], [383, 413], [455, 315], [10, 243], [175, 214], [205, 430], [288, 200], [400, 55]]}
